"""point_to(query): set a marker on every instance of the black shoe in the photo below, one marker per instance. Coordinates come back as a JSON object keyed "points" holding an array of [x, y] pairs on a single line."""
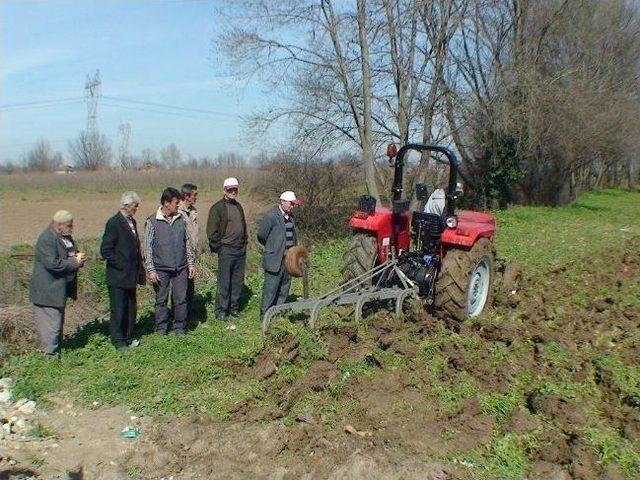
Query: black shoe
{"points": [[222, 317], [234, 314], [121, 346]]}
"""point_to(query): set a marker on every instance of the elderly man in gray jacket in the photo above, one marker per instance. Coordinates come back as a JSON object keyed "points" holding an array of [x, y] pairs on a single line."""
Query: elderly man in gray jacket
{"points": [[277, 233], [57, 261]]}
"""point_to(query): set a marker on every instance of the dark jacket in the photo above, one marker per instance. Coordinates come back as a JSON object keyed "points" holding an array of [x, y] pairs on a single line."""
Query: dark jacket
{"points": [[217, 224], [121, 249], [54, 276], [272, 236]]}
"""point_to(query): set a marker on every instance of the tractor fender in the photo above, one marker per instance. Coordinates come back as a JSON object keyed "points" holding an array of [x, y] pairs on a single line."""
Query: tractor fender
{"points": [[471, 227], [379, 225]]}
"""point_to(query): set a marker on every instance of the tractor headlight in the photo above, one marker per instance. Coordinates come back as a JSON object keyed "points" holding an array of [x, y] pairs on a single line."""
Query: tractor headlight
{"points": [[452, 222]]}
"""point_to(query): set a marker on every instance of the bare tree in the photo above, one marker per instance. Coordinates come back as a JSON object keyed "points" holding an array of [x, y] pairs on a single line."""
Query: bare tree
{"points": [[90, 151], [41, 157], [307, 52], [537, 97], [230, 159], [148, 158], [171, 156]]}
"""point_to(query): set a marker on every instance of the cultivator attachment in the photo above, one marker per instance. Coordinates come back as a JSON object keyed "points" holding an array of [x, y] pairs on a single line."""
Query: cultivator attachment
{"points": [[368, 287]]}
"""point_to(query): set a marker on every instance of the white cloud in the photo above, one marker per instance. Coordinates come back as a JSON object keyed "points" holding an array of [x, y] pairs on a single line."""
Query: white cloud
{"points": [[17, 62]]}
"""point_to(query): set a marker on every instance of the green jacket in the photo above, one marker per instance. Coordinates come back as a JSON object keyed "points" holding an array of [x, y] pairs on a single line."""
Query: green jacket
{"points": [[217, 224], [54, 276]]}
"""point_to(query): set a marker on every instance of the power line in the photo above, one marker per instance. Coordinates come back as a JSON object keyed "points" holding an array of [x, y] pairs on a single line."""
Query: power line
{"points": [[151, 110], [72, 100], [40, 104], [174, 107]]}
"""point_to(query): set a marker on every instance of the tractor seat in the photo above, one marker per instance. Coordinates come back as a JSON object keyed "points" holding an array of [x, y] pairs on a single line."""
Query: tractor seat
{"points": [[436, 202]]}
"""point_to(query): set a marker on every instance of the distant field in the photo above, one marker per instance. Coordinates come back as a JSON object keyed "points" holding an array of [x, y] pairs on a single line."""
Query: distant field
{"points": [[28, 201], [115, 181]]}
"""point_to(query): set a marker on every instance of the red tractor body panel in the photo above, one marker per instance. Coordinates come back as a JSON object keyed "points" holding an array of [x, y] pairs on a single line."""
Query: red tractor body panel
{"points": [[471, 226], [380, 225]]}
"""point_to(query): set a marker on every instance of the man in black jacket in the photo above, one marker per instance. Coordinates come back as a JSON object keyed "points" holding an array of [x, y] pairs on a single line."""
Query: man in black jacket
{"points": [[125, 269], [227, 234]]}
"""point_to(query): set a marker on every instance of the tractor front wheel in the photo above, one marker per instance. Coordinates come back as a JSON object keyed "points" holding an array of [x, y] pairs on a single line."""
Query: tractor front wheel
{"points": [[464, 285], [359, 257]]}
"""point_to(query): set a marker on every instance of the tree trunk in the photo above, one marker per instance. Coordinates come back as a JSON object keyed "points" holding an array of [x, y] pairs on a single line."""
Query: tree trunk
{"points": [[366, 135]]}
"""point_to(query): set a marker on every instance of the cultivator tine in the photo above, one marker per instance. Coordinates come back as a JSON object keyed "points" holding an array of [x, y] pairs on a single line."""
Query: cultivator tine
{"points": [[349, 293], [402, 297], [398, 294], [315, 310]]}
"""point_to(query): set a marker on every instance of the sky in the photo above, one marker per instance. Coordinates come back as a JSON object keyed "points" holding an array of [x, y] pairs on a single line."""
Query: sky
{"points": [[147, 51]]}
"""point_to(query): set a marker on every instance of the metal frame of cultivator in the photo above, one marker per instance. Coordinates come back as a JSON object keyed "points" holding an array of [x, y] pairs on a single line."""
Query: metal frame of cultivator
{"points": [[354, 292]]}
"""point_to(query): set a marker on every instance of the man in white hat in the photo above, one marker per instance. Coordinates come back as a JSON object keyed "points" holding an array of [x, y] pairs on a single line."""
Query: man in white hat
{"points": [[277, 234], [55, 268], [227, 235]]}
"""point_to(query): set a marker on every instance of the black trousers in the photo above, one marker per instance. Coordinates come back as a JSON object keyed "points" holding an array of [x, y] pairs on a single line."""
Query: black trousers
{"points": [[276, 288], [191, 291], [231, 265], [123, 312]]}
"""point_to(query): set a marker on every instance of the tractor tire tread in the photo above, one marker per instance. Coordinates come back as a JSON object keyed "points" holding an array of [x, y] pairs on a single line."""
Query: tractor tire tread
{"points": [[453, 281]]}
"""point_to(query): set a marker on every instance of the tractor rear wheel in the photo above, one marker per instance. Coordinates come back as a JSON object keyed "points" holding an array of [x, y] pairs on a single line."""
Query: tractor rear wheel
{"points": [[464, 285], [359, 257]]}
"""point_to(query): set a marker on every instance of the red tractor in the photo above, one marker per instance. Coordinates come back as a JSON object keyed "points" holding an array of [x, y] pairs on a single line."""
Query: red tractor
{"points": [[448, 254], [442, 256]]}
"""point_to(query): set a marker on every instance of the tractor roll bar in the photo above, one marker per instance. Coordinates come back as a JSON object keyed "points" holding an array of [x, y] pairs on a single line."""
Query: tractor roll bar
{"points": [[454, 170]]}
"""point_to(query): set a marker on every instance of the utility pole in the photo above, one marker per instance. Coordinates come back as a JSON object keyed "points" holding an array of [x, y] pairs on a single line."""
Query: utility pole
{"points": [[124, 133], [92, 92]]}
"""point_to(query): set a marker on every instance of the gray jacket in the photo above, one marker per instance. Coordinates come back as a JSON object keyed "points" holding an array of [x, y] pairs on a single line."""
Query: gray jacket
{"points": [[54, 276], [272, 236]]}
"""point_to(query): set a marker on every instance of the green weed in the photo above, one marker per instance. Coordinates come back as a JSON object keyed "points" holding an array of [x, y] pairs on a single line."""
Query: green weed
{"points": [[612, 448], [501, 405], [40, 431]]}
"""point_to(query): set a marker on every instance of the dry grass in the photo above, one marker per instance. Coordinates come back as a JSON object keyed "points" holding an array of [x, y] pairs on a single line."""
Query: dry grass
{"points": [[29, 199], [107, 181], [17, 330]]}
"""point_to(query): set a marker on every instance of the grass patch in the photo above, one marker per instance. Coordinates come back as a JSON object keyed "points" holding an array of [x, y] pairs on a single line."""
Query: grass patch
{"points": [[625, 378], [543, 238], [614, 449], [502, 405], [40, 431]]}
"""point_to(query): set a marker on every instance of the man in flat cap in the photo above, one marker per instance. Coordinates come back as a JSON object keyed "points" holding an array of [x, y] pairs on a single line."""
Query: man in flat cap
{"points": [[125, 269], [277, 234], [55, 267], [227, 234]]}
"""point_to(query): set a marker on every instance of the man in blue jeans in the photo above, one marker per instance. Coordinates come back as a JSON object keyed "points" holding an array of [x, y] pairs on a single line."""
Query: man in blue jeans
{"points": [[169, 261]]}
